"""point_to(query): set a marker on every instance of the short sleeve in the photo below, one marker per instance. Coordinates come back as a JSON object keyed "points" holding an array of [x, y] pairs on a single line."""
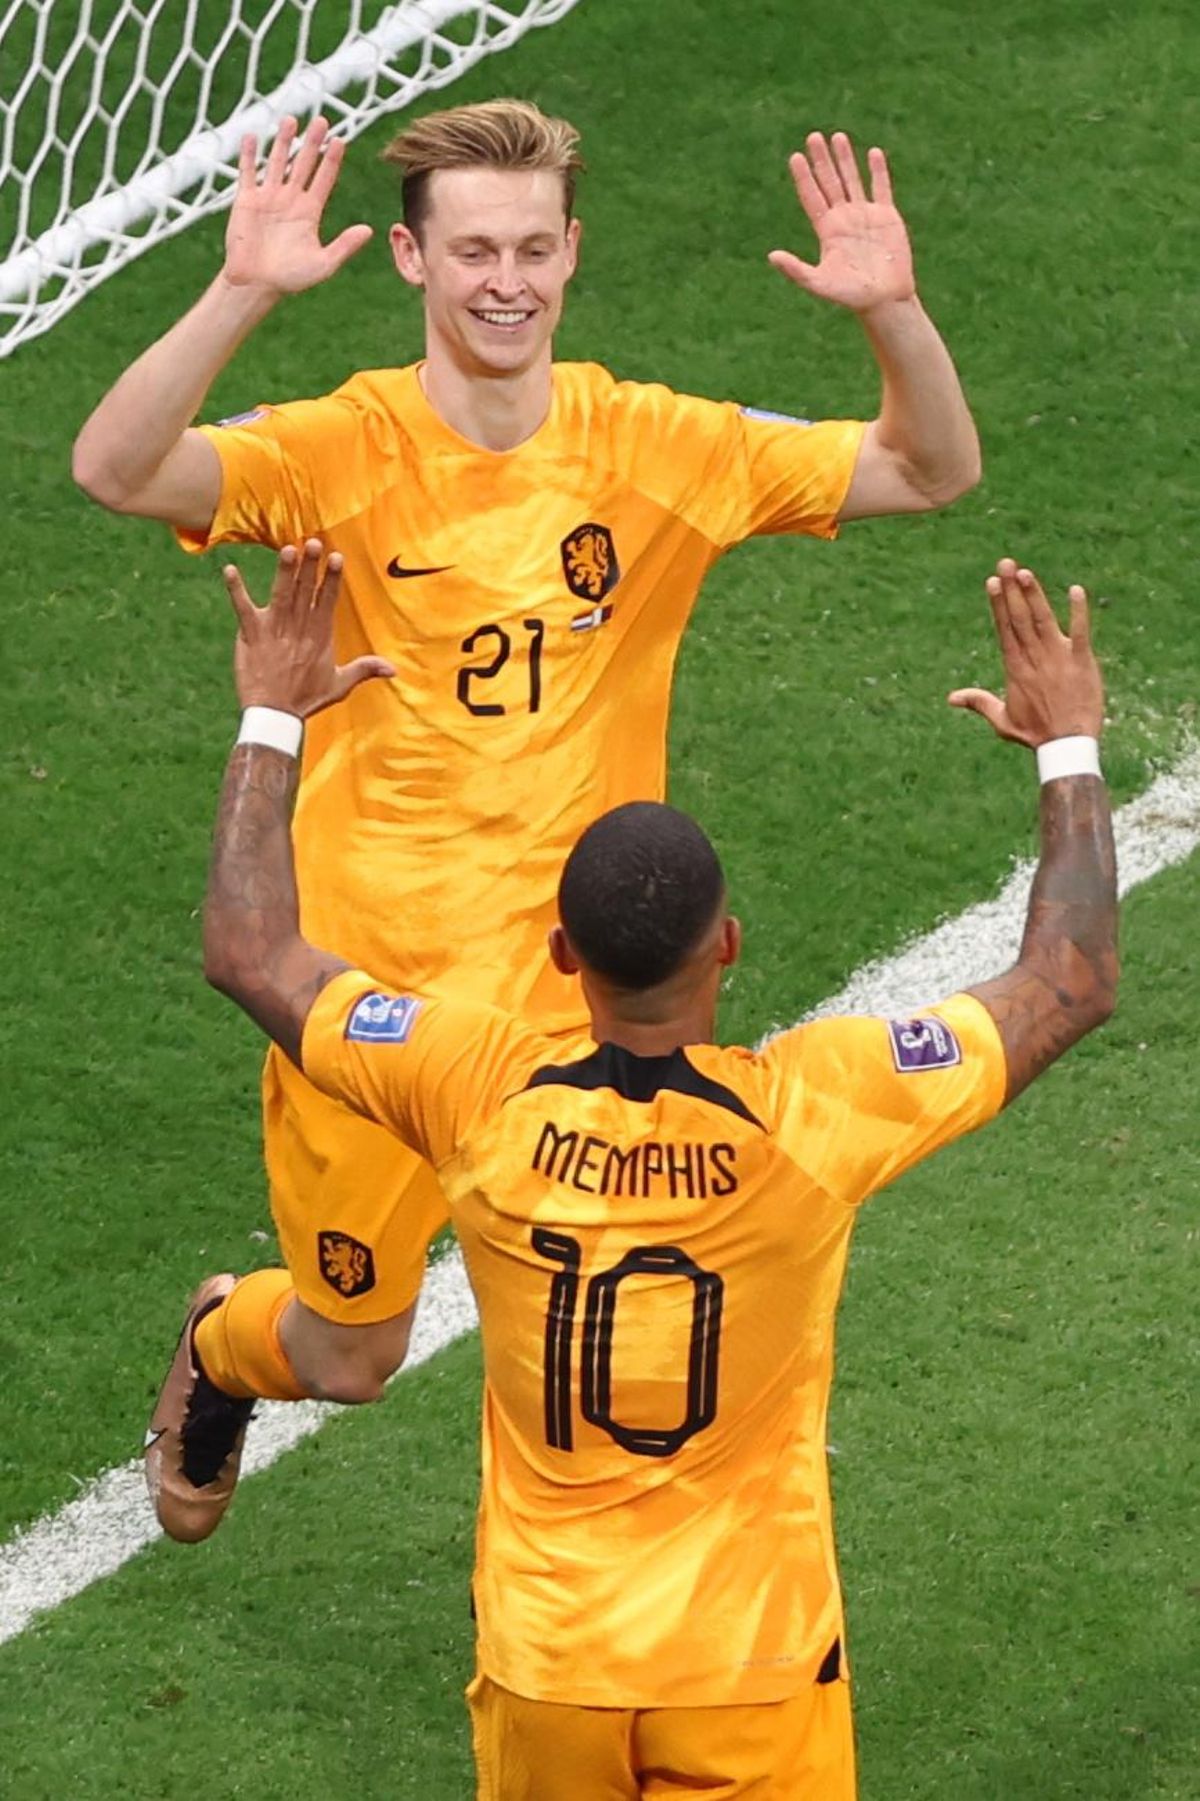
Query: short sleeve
{"points": [[733, 472], [289, 471], [860, 1100], [796, 474], [425, 1068]]}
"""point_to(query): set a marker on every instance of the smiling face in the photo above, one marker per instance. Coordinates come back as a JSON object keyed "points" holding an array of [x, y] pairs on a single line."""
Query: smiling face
{"points": [[494, 256]]}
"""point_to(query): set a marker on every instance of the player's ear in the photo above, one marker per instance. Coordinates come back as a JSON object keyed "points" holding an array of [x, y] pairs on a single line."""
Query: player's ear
{"points": [[574, 233], [731, 942], [406, 254], [561, 954]]}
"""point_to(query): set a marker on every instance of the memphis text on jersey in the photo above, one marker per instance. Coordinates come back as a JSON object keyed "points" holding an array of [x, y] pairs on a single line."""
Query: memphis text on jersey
{"points": [[595, 1165]]}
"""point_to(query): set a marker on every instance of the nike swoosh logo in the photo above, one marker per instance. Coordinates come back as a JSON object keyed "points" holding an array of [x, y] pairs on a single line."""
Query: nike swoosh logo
{"points": [[398, 572]]}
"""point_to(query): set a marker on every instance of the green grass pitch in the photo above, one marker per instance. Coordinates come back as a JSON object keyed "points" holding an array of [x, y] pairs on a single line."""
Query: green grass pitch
{"points": [[1015, 1414]]}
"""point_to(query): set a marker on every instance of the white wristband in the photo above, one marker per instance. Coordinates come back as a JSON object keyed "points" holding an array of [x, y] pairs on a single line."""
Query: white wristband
{"points": [[1068, 756], [275, 729]]}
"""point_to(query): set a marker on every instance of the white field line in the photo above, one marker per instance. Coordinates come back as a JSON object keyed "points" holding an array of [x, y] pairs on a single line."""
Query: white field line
{"points": [[1160, 827], [112, 1520], [91, 1537]]}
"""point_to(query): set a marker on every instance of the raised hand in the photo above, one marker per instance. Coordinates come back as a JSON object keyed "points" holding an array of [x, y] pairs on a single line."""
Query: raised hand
{"points": [[284, 652], [865, 258], [273, 239], [1053, 684]]}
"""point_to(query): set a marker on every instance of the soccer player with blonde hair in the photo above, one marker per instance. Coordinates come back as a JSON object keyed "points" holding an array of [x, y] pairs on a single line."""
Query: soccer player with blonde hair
{"points": [[526, 540], [656, 1228]]}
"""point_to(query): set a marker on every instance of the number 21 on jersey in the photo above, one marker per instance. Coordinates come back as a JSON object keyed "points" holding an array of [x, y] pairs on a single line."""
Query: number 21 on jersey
{"points": [[494, 642]]}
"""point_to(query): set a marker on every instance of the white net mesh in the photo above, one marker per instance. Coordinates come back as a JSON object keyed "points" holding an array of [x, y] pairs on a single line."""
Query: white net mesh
{"points": [[120, 119]]}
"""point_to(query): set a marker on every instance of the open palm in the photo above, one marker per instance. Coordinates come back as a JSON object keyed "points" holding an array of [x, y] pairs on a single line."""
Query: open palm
{"points": [[865, 256], [1053, 684], [284, 655], [273, 239]]}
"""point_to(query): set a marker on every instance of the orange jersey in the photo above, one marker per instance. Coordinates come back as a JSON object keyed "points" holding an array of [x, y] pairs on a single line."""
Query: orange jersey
{"points": [[532, 603], [657, 1248]]}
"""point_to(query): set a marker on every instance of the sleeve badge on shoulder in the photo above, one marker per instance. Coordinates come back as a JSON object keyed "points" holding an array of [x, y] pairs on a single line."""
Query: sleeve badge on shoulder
{"points": [[923, 1044], [382, 1019], [258, 412], [762, 412]]}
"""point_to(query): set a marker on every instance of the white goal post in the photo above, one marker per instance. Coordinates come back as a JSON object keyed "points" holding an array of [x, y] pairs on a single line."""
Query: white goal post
{"points": [[120, 120]]}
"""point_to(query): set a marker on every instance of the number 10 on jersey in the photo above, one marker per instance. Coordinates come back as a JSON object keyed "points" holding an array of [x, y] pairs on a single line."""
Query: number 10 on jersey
{"points": [[599, 1325]]}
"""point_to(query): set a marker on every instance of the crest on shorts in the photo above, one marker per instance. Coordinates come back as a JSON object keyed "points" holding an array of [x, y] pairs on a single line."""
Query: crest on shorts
{"points": [[589, 560], [346, 1264], [923, 1044]]}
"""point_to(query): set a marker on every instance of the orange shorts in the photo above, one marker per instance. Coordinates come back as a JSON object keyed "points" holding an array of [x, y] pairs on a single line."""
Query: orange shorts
{"points": [[796, 1750], [354, 1208]]}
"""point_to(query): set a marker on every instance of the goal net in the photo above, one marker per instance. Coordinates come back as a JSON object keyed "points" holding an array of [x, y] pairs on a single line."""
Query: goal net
{"points": [[120, 120]]}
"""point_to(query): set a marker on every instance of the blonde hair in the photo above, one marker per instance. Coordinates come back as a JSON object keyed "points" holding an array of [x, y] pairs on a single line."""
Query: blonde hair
{"points": [[495, 134]]}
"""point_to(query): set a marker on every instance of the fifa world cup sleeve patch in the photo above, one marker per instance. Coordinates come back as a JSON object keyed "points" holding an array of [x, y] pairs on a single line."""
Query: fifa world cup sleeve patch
{"points": [[258, 412], [762, 412], [382, 1019], [923, 1044]]}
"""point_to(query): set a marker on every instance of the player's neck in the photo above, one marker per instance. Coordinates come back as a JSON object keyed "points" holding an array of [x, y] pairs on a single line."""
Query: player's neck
{"points": [[695, 1024], [653, 1022], [497, 412]]}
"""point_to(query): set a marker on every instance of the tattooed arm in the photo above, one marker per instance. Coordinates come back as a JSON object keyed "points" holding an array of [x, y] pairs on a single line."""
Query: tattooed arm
{"points": [[1064, 982], [253, 948]]}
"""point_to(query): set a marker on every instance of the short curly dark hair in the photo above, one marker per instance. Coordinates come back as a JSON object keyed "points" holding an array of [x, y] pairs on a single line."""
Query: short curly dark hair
{"points": [[638, 893]]}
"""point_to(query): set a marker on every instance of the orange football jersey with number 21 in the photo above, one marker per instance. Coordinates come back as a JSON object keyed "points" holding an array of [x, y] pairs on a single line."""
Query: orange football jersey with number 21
{"points": [[532, 602]]}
